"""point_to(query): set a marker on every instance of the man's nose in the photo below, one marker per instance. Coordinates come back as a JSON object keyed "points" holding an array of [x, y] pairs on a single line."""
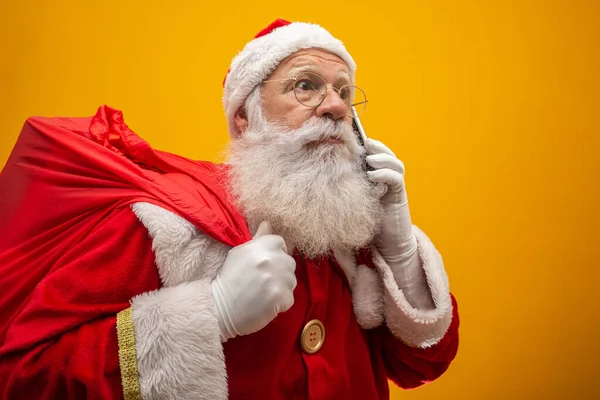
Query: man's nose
{"points": [[332, 106]]}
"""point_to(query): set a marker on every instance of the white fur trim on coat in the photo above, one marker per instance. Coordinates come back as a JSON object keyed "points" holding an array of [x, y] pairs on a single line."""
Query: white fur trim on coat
{"points": [[367, 298], [178, 344], [263, 54], [367, 291], [183, 253], [417, 328]]}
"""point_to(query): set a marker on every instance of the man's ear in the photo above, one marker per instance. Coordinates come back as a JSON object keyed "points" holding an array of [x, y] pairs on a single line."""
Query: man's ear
{"points": [[240, 119]]}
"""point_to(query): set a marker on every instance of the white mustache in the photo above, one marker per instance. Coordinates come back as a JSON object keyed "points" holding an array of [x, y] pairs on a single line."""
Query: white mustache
{"points": [[320, 129], [316, 129]]}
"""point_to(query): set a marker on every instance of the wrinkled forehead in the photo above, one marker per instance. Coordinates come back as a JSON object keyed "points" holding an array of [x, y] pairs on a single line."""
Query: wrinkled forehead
{"points": [[318, 61]]}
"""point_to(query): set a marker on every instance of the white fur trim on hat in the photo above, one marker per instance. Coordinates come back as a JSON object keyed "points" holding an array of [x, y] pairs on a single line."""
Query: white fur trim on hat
{"points": [[262, 55]]}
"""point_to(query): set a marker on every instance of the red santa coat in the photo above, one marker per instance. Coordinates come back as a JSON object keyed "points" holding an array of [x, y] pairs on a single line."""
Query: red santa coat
{"points": [[73, 255]]}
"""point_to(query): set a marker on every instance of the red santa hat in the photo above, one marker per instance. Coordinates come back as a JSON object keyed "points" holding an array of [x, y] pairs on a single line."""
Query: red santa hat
{"points": [[264, 53]]}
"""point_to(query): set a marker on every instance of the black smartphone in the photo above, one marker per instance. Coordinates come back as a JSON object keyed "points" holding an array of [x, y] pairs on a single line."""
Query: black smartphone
{"points": [[361, 136]]}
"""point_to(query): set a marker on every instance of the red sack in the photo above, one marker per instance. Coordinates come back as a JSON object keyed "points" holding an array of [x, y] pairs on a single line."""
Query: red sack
{"points": [[65, 174]]}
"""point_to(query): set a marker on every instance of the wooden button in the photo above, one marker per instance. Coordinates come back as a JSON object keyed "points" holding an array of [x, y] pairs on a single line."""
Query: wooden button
{"points": [[313, 336]]}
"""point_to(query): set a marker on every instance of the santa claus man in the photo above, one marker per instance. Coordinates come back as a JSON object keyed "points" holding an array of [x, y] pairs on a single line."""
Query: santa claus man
{"points": [[328, 291]]}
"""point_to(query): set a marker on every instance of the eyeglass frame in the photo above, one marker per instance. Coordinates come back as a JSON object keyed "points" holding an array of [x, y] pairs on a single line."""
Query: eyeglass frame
{"points": [[350, 107]]}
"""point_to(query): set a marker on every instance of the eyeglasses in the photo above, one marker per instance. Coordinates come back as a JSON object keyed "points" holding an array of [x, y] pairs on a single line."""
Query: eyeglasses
{"points": [[311, 89]]}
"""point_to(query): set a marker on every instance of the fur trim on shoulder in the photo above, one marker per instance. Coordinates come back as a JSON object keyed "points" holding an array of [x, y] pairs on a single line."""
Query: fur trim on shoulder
{"points": [[417, 328], [183, 253]]}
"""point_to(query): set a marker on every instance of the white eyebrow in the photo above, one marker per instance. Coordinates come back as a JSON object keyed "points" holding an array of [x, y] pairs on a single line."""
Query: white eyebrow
{"points": [[301, 68], [344, 75], [309, 68]]}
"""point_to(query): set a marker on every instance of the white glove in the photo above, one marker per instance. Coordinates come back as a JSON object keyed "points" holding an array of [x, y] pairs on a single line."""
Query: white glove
{"points": [[396, 241], [255, 284]]}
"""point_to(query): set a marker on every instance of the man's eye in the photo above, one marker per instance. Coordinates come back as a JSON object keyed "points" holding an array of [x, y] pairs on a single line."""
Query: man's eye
{"points": [[304, 85]]}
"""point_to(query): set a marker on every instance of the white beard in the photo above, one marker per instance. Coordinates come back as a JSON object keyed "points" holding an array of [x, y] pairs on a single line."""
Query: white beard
{"points": [[315, 195]]}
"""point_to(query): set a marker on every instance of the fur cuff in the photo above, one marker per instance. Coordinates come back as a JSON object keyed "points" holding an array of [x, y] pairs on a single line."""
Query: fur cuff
{"points": [[417, 328], [179, 350]]}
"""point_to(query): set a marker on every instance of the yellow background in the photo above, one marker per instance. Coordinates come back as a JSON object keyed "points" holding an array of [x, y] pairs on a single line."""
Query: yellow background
{"points": [[493, 106]]}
